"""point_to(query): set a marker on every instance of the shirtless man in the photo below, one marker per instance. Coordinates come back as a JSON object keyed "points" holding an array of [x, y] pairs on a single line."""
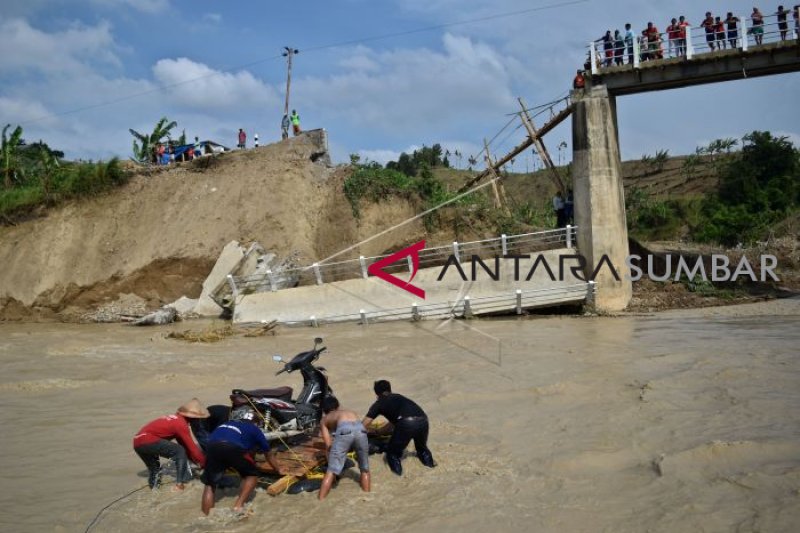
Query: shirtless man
{"points": [[348, 434]]}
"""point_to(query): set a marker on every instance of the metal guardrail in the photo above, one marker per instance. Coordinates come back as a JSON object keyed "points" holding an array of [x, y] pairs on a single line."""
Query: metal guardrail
{"points": [[692, 41], [319, 273], [465, 307]]}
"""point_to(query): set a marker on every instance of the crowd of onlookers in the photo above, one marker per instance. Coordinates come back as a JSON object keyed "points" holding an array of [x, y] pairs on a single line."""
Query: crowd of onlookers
{"points": [[618, 48]]}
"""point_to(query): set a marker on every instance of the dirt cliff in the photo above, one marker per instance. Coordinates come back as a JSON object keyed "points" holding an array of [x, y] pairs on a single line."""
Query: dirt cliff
{"points": [[158, 237]]}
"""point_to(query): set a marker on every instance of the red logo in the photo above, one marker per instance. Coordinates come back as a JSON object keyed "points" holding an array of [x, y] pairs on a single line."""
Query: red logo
{"points": [[376, 268]]}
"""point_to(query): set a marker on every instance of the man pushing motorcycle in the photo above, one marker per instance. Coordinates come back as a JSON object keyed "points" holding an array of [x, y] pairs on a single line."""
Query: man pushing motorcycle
{"points": [[231, 446], [409, 422], [348, 434]]}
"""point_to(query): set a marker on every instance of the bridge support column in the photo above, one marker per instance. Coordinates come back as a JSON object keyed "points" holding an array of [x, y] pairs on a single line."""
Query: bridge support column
{"points": [[599, 196]]}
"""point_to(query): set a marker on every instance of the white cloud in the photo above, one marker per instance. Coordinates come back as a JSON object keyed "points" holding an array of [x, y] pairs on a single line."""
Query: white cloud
{"points": [[195, 85], [146, 6], [379, 156], [407, 90], [19, 110], [213, 18], [70, 50]]}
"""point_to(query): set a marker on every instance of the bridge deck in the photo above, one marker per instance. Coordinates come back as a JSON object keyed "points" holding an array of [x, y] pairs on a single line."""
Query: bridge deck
{"points": [[722, 65]]}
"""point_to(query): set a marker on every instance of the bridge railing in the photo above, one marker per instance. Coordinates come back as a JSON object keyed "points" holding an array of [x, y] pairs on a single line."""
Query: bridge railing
{"points": [[741, 33], [319, 273], [517, 300]]}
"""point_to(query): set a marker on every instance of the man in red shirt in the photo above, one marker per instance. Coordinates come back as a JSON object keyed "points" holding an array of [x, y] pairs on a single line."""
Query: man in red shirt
{"points": [[154, 440], [673, 34]]}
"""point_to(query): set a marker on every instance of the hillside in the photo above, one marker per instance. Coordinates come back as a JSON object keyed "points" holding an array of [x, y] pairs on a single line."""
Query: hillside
{"points": [[158, 236]]}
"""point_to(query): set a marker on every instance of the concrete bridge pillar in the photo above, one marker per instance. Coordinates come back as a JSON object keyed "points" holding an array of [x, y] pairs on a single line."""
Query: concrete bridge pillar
{"points": [[598, 194]]}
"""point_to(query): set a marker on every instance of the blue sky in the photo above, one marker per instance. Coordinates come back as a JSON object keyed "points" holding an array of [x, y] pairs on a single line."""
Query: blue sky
{"points": [[454, 85]]}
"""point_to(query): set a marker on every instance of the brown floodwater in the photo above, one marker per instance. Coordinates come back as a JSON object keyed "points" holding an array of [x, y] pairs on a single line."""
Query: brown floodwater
{"points": [[680, 421]]}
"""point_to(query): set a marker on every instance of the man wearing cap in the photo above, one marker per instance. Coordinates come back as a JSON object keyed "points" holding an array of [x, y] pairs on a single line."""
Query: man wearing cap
{"points": [[231, 445], [154, 440], [409, 421]]}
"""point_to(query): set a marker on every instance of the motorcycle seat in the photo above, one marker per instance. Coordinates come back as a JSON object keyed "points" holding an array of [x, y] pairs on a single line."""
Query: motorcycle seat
{"points": [[281, 393]]}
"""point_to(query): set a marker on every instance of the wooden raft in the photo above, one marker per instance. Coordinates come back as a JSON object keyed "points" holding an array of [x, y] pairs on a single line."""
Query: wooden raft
{"points": [[294, 463]]}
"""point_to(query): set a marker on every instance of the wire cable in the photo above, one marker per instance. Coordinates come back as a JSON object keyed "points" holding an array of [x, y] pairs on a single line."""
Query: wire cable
{"points": [[100, 513], [307, 50]]}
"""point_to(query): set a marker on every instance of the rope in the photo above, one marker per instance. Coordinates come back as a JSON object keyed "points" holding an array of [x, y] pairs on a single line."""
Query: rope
{"points": [[266, 423], [97, 516], [407, 221]]}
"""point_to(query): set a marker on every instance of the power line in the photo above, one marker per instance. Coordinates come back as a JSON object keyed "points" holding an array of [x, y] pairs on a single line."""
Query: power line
{"points": [[307, 50]]}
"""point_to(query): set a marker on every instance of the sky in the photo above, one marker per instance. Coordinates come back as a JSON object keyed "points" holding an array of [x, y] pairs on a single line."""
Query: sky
{"points": [[381, 76]]}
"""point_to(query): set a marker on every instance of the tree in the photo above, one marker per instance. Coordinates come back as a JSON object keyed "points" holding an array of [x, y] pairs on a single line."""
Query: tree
{"points": [[9, 150], [144, 149]]}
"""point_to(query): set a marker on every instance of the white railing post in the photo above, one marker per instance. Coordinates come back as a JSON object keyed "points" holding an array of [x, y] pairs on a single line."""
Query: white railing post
{"points": [[467, 306], [314, 323], [455, 252], [363, 316], [592, 58], [410, 264], [317, 273], [415, 311], [504, 244], [364, 273], [637, 52], [590, 293], [689, 45], [272, 285], [519, 302], [234, 288], [743, 34], [569, 236]]}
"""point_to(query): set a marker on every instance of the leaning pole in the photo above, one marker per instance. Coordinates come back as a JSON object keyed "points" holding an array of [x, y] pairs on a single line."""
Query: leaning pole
{"points": [[599, 196]]}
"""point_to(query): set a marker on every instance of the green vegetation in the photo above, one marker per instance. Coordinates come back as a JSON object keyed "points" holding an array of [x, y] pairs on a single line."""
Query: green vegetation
{"points": [[35, 175], [758, 187], [419, 184], [412, 164], [144, 145]]}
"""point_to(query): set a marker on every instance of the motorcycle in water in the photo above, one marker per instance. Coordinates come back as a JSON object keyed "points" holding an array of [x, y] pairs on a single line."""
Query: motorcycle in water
{"points": [[283, 417]]}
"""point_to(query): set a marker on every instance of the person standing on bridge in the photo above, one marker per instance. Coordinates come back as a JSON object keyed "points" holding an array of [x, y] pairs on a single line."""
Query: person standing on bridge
{"points": [[654, 42], [719, 31], [733, 29], [708, 25], [619, 48], [242, 139], [684, 25], [629, 37], [783, 26], [758, 26], [608, 48], [673, 34]]}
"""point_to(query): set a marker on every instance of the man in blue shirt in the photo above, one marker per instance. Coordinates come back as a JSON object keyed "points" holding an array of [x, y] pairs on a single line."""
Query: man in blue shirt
{"points": [[231, 446]]}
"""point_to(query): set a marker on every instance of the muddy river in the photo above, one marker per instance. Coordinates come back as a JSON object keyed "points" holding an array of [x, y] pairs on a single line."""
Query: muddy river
{"points": [[679, 421]]}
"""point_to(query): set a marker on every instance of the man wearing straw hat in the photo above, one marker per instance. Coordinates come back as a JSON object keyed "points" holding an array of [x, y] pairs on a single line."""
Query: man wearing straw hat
{"points": [[154, 440]]}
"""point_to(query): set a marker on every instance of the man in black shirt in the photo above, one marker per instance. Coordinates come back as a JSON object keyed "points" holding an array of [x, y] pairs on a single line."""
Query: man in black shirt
{"points": [[409, 421]]}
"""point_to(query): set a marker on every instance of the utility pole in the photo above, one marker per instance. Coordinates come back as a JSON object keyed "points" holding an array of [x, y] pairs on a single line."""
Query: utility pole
{"points": [[288, 53]]}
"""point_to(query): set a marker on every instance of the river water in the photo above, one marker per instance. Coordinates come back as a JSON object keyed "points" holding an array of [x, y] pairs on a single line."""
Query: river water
{"points": [[680, 421]]}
